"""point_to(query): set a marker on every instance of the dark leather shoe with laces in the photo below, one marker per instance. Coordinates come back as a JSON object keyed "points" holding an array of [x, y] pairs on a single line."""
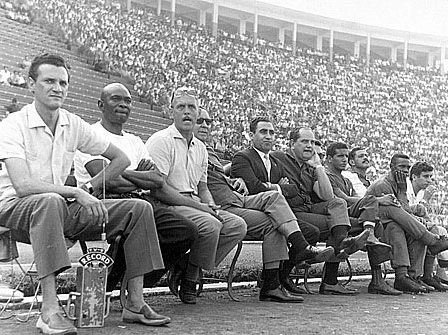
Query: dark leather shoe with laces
{"points": [[428, 289], [336, 289], [313, 255], [434, 282], [407, 285], [350, 245], [439, 246], [277, 295], [382, 288], [187, 292]]}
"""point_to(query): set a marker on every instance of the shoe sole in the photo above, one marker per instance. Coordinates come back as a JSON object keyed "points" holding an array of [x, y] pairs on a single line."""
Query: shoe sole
{"points": [[269, 299], [373, 291], [44, 328], [337, 293], [147, 321]]}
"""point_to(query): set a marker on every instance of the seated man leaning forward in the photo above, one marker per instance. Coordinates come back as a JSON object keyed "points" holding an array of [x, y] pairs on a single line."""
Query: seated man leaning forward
{"points": [[403, 231], [268, 217], [37, 146], [300, 175], [182, 160], [176, 233]]}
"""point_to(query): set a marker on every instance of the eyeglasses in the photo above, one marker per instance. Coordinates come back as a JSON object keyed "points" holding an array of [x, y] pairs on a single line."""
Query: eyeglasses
{"points": [[177, 93], [201, 121]]}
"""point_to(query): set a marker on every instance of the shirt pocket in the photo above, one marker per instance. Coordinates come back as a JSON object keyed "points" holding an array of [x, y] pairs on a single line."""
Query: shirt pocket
{"points": [[34, 164]]}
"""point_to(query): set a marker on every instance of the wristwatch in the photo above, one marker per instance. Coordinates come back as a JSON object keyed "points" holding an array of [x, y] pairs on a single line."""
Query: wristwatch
{"points": [[89, 187]]}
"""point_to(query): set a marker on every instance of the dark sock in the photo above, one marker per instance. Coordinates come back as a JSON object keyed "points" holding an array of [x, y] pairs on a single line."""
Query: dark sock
{"points": [[377, 274], [331, 273], [428, 266], [339, 232], [401, 271], [298, 243], [270, 279]]}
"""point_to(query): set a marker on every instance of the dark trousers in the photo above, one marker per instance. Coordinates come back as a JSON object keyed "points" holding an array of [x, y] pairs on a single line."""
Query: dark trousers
{"points": [[176, 235]]}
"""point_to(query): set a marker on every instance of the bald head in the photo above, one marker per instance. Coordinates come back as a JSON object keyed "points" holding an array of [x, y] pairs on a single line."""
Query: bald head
{"points": [[112, 87]]}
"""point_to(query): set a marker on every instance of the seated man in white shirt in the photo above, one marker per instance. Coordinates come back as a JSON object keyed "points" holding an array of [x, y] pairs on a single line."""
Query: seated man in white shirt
{"points": [[359, 162], [420, 190]]}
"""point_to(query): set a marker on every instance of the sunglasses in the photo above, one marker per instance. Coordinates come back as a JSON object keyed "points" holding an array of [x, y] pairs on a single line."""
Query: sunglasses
{"points": [[201, 121], [177, 93]]}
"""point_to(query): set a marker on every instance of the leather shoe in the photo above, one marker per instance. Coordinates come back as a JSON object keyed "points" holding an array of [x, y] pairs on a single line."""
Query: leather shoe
{"points": [[382, 288], [146, 316], [439, 246], [407, 285], [277, 295], [350, 245], [174, 277], [434, 282], [443, 281], [56, 324], [336, 289], [313, 255], [187, 293], [427, 288], [289, 286]]}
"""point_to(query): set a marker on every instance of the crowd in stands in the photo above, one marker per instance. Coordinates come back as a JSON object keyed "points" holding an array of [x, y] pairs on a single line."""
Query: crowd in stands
{"points": [[383, 107]]}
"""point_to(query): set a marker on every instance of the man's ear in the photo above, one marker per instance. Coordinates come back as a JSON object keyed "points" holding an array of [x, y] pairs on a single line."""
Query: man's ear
{"points": [[351, 162], [101, 105], [31, 84]]}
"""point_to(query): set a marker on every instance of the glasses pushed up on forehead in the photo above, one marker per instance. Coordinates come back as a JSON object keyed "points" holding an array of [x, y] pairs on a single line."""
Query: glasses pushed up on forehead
{"points": [[178, 92], [201, 121]]}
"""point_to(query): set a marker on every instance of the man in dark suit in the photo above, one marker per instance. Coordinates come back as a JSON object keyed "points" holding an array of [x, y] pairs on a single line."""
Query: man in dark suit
{"points": [[262, 172]]}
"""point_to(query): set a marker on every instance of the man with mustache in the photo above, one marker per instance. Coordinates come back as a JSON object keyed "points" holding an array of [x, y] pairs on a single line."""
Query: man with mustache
{"points": [[300, 176], [359, 162], [407, 235], [182, 161], [365, 209], [268, 217]]}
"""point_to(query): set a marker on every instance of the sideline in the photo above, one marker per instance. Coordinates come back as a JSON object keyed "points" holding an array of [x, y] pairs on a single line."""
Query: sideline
{"points": [[164, 290]]}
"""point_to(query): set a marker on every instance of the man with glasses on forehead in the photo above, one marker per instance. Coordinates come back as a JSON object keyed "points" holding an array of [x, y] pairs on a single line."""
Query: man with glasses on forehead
{"points": [[268, 217], [182, 160]]}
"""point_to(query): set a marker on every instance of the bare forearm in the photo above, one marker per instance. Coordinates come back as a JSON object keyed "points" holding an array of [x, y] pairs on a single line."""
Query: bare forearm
{"points": [[111, 172], [146, 180], [324, 189]]}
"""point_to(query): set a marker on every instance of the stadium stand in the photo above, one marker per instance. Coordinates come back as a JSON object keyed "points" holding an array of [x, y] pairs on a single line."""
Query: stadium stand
{"points": [[383, 107]]}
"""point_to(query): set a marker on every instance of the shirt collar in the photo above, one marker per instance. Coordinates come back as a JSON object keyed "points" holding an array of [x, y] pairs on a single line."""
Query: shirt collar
{"points": [[176, 134], [35, 120], [262, 154], [290, 153]]}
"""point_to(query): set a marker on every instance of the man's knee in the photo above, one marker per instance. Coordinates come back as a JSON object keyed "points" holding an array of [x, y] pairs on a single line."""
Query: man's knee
{"points": [[137, 206], [336, 203], [50, 200]]}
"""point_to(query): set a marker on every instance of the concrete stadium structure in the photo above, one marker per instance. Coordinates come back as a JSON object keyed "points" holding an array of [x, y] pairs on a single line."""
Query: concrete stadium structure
{"points": [[294, 29]]}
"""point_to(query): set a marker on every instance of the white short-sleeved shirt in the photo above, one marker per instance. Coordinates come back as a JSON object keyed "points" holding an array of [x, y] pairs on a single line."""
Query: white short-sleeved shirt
{"points": [[184, 166], [358, 186], [130, 144], [49, 157], [414, 199]]}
